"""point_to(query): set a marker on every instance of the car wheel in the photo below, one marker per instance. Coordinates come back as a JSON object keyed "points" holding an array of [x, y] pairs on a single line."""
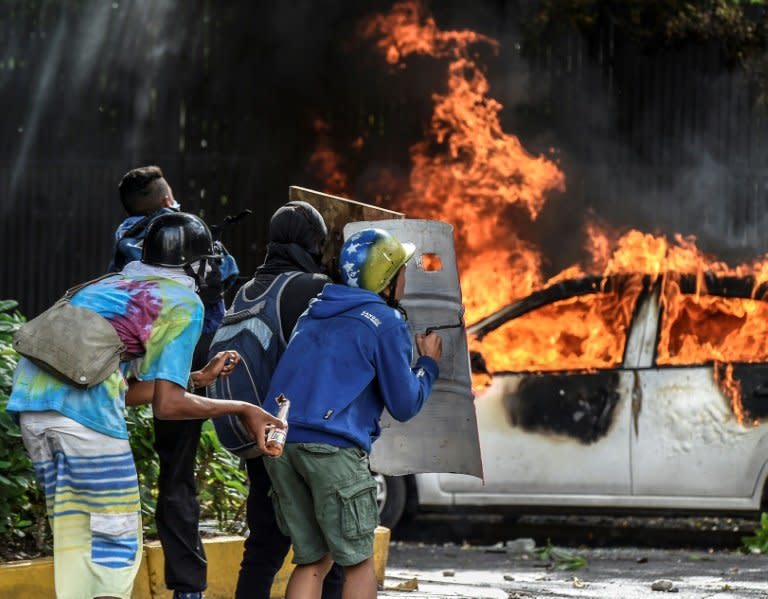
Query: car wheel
{"points": [[391, 495]]}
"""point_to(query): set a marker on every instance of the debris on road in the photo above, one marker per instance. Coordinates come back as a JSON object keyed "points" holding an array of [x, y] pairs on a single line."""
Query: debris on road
{"points": [[609, 573], [578, 583], [560, 559], [412, 584], [663, 585], [518, 546]]}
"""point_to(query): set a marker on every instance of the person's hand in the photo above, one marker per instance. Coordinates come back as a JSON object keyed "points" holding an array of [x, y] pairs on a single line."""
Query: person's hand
{"points": [[258, 423], [430, 345], [222, 364]]}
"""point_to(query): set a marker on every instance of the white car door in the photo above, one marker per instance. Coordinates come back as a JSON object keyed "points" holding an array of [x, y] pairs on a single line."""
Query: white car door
{"points": [[553, 437], [688, 448]]}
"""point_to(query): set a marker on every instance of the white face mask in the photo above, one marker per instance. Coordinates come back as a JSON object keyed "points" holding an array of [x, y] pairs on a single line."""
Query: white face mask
{"points": [[175, 206], [196, 266]]}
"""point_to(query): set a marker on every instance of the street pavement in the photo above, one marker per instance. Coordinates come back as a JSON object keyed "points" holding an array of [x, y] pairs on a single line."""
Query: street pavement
{"points": [[516, 570]]}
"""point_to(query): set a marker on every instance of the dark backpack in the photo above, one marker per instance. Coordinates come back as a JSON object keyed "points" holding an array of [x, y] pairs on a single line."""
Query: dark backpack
{"points": [[129, 239], [130, 242], [252, 328]]}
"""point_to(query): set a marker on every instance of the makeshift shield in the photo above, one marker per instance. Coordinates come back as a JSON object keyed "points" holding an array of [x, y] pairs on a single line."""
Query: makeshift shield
{"points": [[443, 436], [337, 212]]}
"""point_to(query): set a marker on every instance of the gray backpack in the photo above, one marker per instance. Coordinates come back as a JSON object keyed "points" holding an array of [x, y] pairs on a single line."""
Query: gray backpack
{"points": [[74, 344]]}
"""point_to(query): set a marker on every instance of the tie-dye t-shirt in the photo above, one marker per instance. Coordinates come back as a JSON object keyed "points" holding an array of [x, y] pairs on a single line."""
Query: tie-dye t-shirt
{"points": [[157, 318]]}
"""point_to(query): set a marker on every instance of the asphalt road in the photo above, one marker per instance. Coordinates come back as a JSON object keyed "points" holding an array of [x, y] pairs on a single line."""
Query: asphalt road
{"points": [[575, 530], [434, 571], [613, 558]]}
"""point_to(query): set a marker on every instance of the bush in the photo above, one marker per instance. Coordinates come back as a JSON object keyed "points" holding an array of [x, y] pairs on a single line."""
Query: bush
{"points": [[222, 484], [757, 542], [141, 433], [22, 506]]}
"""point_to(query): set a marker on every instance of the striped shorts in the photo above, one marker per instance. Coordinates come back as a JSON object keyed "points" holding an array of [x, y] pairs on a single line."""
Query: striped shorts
{"points": [[92, 500]]}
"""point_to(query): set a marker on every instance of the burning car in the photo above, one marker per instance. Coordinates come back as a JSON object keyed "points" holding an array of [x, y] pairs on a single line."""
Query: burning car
{"points": [[623, 391]]}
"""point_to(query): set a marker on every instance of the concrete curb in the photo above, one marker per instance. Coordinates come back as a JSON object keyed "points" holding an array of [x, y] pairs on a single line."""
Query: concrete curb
{"points": [[33, 579]]}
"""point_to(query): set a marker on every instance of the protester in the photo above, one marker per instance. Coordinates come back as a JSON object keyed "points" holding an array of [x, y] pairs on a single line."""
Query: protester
{"points": [[290, 276], [145, 194], [348, 359], [77, 437]]}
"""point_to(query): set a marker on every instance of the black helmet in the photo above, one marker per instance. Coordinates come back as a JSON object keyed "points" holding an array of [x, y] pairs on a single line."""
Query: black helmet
{"points": [[177, 239]]}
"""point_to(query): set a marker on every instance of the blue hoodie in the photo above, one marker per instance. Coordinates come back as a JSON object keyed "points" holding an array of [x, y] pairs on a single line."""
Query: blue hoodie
{"points": [[348, 358]]}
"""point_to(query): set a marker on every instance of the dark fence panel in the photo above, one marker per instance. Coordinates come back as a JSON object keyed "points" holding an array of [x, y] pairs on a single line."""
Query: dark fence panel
{"points": [[224, 96]]}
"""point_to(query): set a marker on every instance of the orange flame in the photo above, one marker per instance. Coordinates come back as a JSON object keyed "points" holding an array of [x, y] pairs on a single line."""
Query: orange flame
{"points": [[325, 164], [730, 388], [478, 171], [471, 173]]}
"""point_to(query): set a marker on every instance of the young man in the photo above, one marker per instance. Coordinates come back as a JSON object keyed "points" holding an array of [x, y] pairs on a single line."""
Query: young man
{"points": [[145, 194], [348, 359], [77, 438], [297, 234]]}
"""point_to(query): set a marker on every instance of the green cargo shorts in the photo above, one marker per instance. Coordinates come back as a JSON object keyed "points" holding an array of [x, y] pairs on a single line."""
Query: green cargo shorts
{"points": [[325, 500]]}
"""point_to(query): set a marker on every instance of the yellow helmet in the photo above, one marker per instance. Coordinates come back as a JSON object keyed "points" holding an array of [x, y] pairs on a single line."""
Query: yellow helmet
{"points": [[370, 258]]}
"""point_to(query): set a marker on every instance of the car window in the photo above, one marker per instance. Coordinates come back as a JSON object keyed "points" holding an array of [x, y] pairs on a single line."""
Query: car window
{"points": [[578, 333], [700, 328]]}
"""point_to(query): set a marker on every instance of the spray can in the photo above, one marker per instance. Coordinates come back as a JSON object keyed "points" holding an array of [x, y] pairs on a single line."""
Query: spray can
{"points": [[276, 437]]}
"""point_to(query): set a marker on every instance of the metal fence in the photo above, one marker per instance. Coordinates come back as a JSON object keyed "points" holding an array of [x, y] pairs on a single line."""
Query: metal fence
{"points": [[224, 99]]}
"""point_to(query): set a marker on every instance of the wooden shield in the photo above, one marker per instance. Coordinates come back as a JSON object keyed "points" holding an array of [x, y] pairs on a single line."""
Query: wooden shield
{"points": [[337, 212]]}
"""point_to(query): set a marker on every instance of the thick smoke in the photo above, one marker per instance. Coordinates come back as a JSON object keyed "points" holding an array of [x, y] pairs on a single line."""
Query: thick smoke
{"points": [[665, 141]]}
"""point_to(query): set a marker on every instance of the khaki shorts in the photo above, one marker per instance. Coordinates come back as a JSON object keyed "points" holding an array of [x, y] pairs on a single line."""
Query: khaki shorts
{"points": [[325, 500]]}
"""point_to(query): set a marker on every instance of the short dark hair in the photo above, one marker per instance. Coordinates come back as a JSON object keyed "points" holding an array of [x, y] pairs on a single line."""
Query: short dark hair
{"points": [[136, 191]]}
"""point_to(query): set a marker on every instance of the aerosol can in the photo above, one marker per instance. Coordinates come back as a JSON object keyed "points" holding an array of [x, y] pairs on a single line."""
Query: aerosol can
{"points": [[276, 437]]}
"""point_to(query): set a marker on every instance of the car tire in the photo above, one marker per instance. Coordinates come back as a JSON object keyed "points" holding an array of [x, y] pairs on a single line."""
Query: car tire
{"points": [[392, 496]]}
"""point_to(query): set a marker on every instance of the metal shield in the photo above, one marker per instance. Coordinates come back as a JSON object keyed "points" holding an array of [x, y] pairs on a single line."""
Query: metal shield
{"points": [[443, 436]]}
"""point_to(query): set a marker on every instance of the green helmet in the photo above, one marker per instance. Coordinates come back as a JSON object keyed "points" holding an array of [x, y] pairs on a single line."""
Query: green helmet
{"points": [[370, 259]]}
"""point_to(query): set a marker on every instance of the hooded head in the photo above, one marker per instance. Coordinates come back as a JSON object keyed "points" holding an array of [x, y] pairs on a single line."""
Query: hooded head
{"points": [[299, 223], [297, 234]]}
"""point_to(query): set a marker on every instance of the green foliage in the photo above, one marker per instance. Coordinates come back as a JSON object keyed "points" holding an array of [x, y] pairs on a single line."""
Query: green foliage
{"points": [[738, 25], [22, 510], [141, 433], [560, 559], [222, 485], [758, 542]]}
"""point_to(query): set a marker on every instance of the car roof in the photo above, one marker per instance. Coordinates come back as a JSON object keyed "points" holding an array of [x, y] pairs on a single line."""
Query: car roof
{"points": [[705, 283]]}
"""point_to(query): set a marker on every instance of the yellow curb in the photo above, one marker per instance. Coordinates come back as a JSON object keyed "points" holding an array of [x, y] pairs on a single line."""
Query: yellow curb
{"points": [[141, 586], [33, 579]]}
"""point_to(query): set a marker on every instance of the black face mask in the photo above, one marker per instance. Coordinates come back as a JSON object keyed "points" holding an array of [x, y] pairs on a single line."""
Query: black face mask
{"points": [[210, 289], [389, 297]]}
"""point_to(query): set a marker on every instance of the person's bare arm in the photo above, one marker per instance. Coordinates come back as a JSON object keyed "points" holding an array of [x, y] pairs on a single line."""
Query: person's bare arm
{"points": [[139, 392], [171, 402], [222, 364]]}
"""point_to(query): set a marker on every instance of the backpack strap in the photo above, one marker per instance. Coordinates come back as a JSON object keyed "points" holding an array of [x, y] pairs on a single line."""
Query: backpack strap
{"points": [[254, 307], [278, 297], [73, 290]]}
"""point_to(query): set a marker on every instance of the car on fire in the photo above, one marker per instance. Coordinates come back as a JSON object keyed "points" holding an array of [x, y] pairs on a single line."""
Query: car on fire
{"points": [[628, 391]]}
